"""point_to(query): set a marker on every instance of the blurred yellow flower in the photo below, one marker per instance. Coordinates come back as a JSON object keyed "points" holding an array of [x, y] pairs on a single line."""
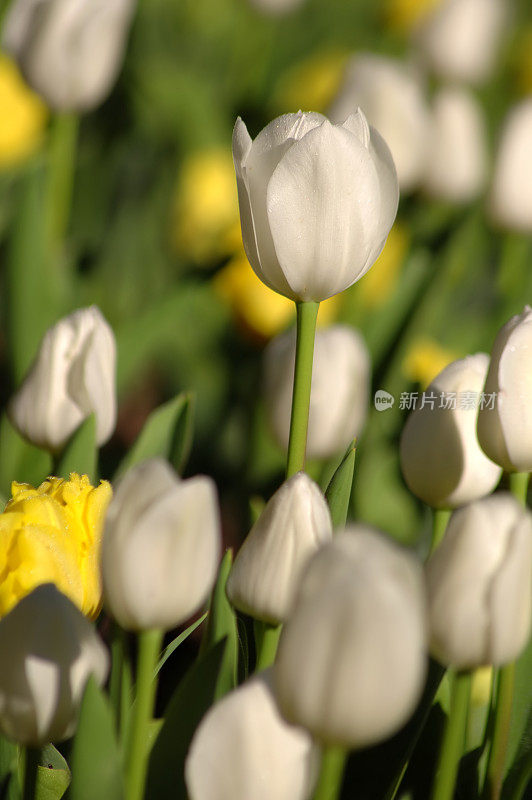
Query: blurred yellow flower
{"points": [[53, 534], [23, 118], [379, 282], [205, 207], [481, 686], [311, 84], [405, 15], [425, 359]]}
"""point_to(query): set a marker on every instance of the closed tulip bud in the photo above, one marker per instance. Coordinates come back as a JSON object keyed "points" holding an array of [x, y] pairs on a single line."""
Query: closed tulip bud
{"points": [[70, 51], [73, 376], [505, 425], [339, 392], [441, 459], [52, 650], [511, 192], [391, 96], [244, 749], [161, 547], [351, 660], [317, 201], [266, 571], [460, 39], [480, 586], [456, 163]]}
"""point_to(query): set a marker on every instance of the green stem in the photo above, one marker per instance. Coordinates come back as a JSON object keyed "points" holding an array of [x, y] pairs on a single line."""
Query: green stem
{"points": [[149, 646], [120, 682], [306, 328], [519, 486], [62, 159], [440, 520], [501, 731], [267, 638], [453, 739], [331, 774], [32, 759]]}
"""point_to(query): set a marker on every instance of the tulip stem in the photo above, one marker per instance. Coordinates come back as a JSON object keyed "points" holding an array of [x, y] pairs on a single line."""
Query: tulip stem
{"points": [[32, 757], [266, 638], [63, 145], [331, 774], [440, 521], [306, 328], [149, 646], [519, 486], [453, 738], [501, 730]]}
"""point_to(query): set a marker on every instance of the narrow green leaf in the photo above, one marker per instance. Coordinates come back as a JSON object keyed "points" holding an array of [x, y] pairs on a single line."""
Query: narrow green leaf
{"points": [[19, 460], [338, 491], [519, 755], [222, 626], [167, 652], [96, 763], [9, 773], [81, 452]]}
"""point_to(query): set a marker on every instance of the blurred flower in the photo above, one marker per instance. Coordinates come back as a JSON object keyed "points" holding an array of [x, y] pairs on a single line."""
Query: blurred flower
{"points": [[379, 284], [23, 119], [311, 83], [457, 160], [425, 359], [511, 191], [268, 566], [52, 651], [351, 661], [244, 749], [339, 392], [405, 15], [505, 426], [390, 94], [460, 39], [69, 52], [480, 584], [205, 210], [276, 6], [72, 377], [161, 547], [52, 534], [308, 233]]}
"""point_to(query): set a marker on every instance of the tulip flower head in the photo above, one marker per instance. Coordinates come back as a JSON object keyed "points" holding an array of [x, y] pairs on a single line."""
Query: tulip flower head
{"points": [[511, 192]]}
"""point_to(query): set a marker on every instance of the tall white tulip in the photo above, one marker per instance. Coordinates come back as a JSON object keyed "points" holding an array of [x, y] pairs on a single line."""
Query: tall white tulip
{"points": [[480, 584], [339, 391], [244, 749], [50, 650], [161, 547], [441, 459], [73, 376], [295, 523], [505, 426], [457, 158], [351, 661], [317, 201], [510, 201], [390, 93], [70, 51]]}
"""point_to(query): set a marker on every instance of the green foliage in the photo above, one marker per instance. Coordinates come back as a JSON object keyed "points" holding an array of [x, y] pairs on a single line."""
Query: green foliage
{"points": [[80, 453], [222, 627], [338, 491]]}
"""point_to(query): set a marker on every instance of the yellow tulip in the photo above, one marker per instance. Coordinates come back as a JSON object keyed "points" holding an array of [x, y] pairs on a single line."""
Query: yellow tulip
{"points": [[378, 284], [23, 118], [311, 83], [425, 359], [405, 15]]}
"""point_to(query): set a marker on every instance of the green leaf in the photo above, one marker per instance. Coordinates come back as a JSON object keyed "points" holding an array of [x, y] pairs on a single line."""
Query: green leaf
{"points": [[96, 763], [9, 774], [53, 775], [338, 491], [81, 452], [20, 460], [167, 652], [167, 433], [222, 626], [519, 754]]}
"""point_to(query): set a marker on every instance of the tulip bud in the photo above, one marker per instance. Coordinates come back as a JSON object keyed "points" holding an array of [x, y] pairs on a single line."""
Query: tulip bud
{"points": [[72, 377], [351, 660], [70, 51], [317, 201], [52, 650], [339, 392], [391, 96], [460, 39], [441, 459], [161, 547], [456, 163], [266, 571], [479, 584], [511, 192], [505, 426], [244, 749]]}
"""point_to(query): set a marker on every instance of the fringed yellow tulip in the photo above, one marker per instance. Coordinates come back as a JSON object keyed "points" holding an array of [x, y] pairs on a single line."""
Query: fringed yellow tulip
{"points": [[23, 118]]}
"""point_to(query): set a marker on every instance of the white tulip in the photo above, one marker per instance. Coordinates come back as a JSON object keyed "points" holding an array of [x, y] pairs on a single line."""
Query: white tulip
{"points": [[480, 584], [351, 661], [266, 571], [73, 376], [457, 158], [441, 459], [70, 51], [317, 201], [244, 749], [505, 427], [511, 192], [339, 392], [50, 650], [276, 7], [161, 547], [460, 38], [391, 96]]}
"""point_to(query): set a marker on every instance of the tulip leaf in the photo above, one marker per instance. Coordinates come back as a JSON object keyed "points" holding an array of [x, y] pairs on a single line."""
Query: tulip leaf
{"points": [[338, 492], [95, 761], [53, 775], [519, 754], [9, 775], [221, 625], [194, 695], [167, 433], [80, 453], [172, 647], [19, 460]]}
